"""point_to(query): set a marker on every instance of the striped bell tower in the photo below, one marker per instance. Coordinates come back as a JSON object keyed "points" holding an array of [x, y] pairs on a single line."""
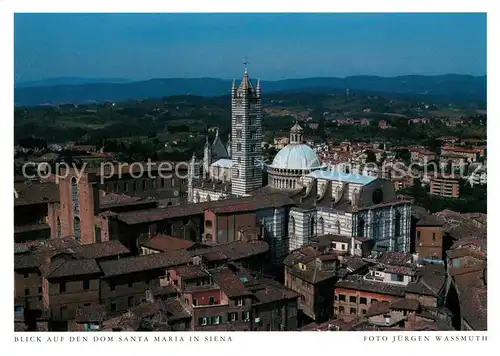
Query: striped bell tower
{"points": [[246, 137]]}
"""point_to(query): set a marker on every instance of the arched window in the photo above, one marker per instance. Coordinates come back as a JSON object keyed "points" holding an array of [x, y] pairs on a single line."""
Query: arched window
{"points": [[361, 228], [78, 234], [337, 226], [321, 223], [169, 203], [197, 199], [337, 193], [58, 227], [397, 224], [74, 193], [208, 198], [292, 225], [354, 200], [312, 227]]}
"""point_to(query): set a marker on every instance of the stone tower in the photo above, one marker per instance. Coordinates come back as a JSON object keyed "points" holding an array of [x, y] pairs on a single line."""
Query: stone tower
{"points": [[246, 137]]}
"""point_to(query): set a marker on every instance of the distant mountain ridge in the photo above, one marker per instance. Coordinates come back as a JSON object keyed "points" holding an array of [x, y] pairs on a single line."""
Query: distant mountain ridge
{"points": [[449, 87]]}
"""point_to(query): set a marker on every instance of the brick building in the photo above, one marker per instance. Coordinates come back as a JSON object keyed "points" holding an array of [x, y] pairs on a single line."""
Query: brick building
{"points": [[444, 186]]}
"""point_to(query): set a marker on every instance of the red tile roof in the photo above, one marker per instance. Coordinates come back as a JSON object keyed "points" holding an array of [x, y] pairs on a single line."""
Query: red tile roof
{"points": [[167, 243]]}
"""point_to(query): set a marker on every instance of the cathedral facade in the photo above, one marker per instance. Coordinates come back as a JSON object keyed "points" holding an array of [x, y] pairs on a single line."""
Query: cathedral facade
{"points": [[326, 201]]}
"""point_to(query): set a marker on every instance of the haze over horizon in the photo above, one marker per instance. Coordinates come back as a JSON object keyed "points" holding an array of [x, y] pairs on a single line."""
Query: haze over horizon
{"points": [[278, 46]]}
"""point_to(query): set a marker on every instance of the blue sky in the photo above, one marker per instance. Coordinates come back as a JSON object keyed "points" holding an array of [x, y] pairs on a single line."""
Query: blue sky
{"points": [[144, 46]]}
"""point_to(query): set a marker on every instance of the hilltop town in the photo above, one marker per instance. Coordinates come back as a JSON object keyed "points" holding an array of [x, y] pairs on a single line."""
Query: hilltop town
{"points": [[368, 214]]}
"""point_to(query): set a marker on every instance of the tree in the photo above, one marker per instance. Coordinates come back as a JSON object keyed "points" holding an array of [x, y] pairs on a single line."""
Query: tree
{"points": [[370, 157], [403, 155]]}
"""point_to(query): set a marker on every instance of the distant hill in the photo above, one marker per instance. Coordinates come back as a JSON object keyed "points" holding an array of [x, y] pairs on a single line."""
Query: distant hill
{"points": [[68, 81], [451, 87]]}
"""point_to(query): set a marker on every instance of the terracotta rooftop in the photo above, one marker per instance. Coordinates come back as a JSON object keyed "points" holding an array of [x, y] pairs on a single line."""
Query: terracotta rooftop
{"points": [[189, 272], [167, 243], [358, 283], [405, 304], [101, 250], [229, 283], [145, 263], [36, 193], [74, 267], [152, 215]]}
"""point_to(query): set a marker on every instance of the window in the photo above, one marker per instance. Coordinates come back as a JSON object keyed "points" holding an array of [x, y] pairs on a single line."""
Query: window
{"points": [[335, 297], [232, 316], [352, 311], [343, 247], [363, 311], [40, 291], [245, 316], [341, 310], [337, 224], [202, 321], [397, 278], [334, 245], [62, 287], [111, 286], [374, 300], [433, 237], [253, 134], [26, 275], [216, 320], [361, 228], [341, 298], [97, 233], [208, 223], [77, 228], [113, 306], [26, 291], [194, 302], [397, 227], [240, 302], [130, 284], [363, 301], [125, 187], [239, 134], [418, 235], [238, 147], [211, 301], [86, 284], [130, 302], [253, 148], [63, 311], [321, 223], [352, 299], [86, 305], [239, 119]]}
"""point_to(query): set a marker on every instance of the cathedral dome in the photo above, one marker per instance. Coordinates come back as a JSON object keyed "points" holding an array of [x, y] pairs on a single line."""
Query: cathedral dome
{"points": [[296, 156]]}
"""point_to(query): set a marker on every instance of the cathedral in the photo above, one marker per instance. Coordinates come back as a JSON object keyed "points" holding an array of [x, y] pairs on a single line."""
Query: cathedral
{"points": [[326, 201]]}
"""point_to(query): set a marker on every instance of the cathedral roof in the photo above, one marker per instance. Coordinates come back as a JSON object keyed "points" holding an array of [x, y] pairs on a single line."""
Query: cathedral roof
{"points": [[223, 162], [296, 156], [342, 177], [218, 148]]}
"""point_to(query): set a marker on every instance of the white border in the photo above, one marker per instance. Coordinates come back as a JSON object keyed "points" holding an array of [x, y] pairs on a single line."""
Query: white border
{"points": [[249, 343]]}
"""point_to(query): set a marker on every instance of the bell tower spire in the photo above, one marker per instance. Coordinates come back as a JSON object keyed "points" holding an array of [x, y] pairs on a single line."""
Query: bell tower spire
{"points": [[246, 137]]}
